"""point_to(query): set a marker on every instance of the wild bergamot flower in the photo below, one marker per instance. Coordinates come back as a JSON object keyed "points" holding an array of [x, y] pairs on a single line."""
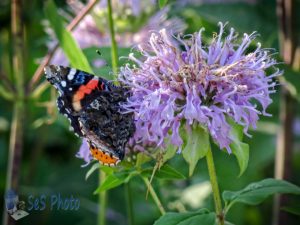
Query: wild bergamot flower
{"points": [[179, 82]]}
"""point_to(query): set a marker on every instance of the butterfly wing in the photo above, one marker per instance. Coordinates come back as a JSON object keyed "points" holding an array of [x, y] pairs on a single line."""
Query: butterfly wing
{"points": [[75, 87], [66, 111], [92, 105]]}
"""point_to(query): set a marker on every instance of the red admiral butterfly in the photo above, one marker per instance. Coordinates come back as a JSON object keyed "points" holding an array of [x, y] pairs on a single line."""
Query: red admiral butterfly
{"points": [[92, 105]]}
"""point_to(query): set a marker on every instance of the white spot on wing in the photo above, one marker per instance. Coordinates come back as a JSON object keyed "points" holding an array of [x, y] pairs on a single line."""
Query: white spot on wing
{"points": [[71, 74], [63, 83], [70, 89]]}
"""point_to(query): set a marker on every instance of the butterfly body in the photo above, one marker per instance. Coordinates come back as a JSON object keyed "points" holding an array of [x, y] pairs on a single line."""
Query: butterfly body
{"points": [[92, 104]]}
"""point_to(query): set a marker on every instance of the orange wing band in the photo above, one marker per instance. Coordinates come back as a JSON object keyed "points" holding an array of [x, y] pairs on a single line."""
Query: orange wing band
{"points": [[103, 157], [85, 89]]}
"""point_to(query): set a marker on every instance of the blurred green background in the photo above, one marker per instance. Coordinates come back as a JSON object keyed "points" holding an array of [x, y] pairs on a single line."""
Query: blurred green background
{"points": [[49, 165]]}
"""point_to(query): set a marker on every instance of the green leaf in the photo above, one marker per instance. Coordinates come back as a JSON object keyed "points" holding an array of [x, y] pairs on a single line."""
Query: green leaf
{"points": [[197, 145], [142, 158], [66, 41], [257, 192], [107, 170], [169, 152], [165, 172], [91, 170], [6, 94], [162, 3], [292, 209], [203, 217], [239, 148], [106, 70], [116, 179], [110, 182]]}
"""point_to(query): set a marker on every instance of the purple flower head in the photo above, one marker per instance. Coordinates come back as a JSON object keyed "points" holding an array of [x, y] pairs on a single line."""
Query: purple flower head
{"points": [[88, 34], [181, 81]]}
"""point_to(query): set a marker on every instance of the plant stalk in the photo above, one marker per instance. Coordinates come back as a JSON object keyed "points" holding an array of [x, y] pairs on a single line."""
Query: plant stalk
{"points": [[289, 43], [114, 49], [215, 187], [129, 208], [16, 133], [102, 200], [154, 196]]}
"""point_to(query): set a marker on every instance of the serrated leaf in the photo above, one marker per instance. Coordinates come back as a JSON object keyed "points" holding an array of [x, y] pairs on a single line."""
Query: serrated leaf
{"points": [[197, 145], [91, 170], [257, 192], [116, 179], [66, 41], [239, 148], [165, 172], [162, 3], [203, 217]]}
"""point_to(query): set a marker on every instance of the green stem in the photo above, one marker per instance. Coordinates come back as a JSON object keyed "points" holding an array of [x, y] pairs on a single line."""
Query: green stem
{"points": [[129, 204], [154, 196], [114, 49], [102, 200], [215, 187], [17, 125], [6, 94]]}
